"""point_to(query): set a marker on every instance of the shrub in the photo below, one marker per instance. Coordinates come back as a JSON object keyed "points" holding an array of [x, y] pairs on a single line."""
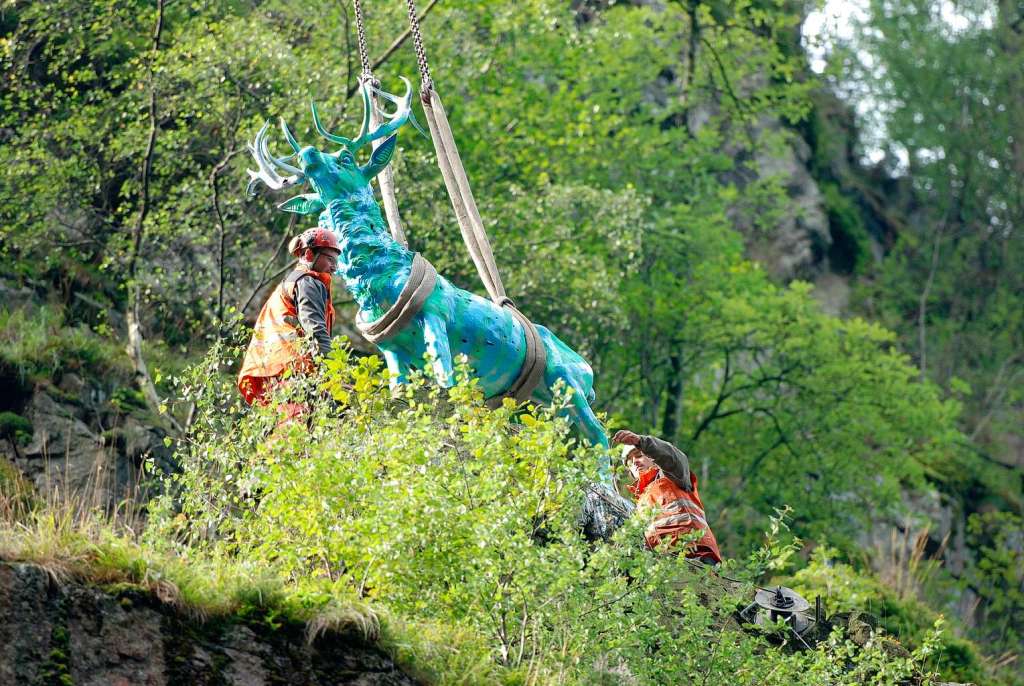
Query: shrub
{"points": [[846, 589], [997, 575], [463, 522], [15, 427]]}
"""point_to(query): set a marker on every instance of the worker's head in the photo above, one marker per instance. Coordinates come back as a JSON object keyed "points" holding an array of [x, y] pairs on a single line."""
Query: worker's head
{"points": [[635, 460], [317, 249]]}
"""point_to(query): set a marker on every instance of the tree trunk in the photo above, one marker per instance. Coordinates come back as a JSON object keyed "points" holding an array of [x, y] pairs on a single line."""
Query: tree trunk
{"points": [[673, 400], [132, 318]]}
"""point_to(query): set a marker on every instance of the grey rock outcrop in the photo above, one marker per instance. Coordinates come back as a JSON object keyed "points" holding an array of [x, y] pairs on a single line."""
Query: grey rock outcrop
{"points": [[72, 633], [63, 453], [80, 446], [797, 242]]}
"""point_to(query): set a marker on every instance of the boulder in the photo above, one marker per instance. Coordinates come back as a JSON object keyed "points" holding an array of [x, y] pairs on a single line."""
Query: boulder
{"points": [[63, 453]]}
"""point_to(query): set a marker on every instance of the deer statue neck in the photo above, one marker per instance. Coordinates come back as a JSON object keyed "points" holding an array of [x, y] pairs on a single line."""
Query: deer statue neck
{"points": [[373, 265]]}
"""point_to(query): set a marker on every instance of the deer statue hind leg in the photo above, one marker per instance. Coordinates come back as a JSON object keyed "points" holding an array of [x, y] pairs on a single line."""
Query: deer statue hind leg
{"points": [[603, 509], [566, 365]]}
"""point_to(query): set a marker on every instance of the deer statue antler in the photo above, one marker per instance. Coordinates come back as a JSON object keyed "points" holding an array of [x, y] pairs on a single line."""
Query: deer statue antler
{"points": [[395, 121], [268, 164]]}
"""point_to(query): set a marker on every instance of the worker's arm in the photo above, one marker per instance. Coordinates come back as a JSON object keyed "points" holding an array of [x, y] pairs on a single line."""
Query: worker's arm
{"points": [[671, 460], [311, 302]]}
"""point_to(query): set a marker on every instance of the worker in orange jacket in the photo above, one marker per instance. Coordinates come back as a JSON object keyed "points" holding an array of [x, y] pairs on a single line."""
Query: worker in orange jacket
{"points": [[664, 483], [301, 304]]}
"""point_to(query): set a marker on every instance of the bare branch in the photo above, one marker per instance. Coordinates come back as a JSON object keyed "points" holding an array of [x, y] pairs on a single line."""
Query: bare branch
{"points": [[740, 105], [221, 231]]}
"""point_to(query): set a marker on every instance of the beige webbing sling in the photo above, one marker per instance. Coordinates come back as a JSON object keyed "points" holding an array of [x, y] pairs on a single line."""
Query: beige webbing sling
{"points": [[470, 224]]}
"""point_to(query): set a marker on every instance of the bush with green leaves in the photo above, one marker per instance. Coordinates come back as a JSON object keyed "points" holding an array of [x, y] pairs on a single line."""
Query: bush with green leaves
{"points": [[846, 589], [997, 576], [445, 513]]}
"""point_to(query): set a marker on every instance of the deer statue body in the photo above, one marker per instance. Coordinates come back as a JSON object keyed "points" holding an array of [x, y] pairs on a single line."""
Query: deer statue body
{"points": [[375, 269]]}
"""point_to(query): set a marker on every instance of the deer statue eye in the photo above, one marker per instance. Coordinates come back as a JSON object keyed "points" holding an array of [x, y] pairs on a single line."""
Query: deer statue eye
{"points": [[347, 159]]}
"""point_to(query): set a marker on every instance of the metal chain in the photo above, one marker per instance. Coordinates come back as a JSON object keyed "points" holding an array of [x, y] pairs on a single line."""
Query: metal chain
{"points": [[426, 84], [364, 56]]}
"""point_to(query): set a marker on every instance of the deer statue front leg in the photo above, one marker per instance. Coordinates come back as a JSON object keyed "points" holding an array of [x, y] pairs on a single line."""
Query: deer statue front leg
{"points": [[425, 339], [398, 369], [435, 335]]}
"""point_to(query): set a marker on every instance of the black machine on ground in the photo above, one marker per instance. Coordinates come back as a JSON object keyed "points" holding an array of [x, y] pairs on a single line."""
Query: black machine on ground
{"points": [[770, 606]]}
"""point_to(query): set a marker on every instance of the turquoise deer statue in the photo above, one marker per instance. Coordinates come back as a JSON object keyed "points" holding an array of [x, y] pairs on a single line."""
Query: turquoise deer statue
{"points": [[376, 268]]}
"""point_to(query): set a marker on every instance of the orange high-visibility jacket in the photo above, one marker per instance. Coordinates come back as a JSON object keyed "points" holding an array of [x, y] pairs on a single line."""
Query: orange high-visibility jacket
{"points": [[273, 346], [678, 513]]}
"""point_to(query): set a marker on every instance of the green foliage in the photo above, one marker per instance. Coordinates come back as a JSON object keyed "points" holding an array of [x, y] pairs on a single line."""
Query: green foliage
{"points": [[126, 399], [948, 121], [39, 345], [872, 662], [851, 245], [998, 577], [845, 589], [788, 405], [15, 427], [446, 514]]}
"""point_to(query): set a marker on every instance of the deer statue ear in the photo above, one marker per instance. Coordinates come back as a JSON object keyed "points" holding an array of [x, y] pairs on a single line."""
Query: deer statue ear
{"points": [[308, 203], [380, 158]]}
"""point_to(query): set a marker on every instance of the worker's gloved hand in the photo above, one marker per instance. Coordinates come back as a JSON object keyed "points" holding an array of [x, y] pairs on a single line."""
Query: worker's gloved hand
{"points": [[625, 437]]}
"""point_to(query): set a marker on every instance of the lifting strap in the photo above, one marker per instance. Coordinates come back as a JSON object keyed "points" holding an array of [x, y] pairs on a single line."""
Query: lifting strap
{"points": [[418, 287], [471, 225]]}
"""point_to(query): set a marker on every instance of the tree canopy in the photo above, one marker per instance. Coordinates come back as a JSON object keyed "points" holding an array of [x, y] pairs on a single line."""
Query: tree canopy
{"points": [[625, 157]]}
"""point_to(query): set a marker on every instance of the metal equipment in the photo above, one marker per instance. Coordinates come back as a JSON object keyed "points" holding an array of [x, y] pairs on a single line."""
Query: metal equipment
{"points": [[781, 603]]}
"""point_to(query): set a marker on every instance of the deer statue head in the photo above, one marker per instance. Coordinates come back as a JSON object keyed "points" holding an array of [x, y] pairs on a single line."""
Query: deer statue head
{"points": [[332, 175]]}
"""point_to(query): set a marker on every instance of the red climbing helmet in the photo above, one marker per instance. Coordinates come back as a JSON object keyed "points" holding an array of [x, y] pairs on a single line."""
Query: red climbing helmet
{"points": [[313, 239]]}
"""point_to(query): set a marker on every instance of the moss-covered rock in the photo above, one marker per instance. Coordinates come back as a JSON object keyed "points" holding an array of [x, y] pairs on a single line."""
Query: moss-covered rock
{"points": [[15, 427]]}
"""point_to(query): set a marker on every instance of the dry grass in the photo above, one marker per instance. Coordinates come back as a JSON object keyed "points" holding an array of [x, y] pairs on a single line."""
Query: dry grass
{"points": [[904, 566], [335, 618]]}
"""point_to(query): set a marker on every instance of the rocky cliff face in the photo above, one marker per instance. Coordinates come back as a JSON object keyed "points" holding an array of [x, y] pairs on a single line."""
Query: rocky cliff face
{"points": [[73, 634], [77, 442]]}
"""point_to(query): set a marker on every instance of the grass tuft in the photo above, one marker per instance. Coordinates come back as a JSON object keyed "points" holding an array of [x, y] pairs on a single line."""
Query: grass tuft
{"points": [[337, 618]]}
